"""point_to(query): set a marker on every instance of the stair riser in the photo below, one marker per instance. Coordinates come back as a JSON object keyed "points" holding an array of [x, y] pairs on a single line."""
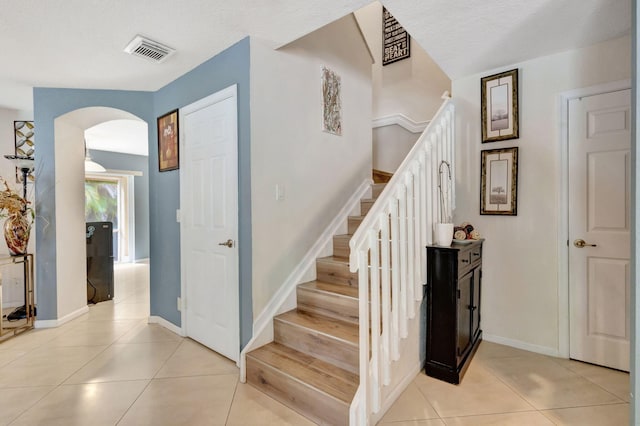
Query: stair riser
{"points": [[336, 273], [302, 398], [376, 190], [341, 246], [327, 348], [365, 206], [353, 224], [328, 304]]}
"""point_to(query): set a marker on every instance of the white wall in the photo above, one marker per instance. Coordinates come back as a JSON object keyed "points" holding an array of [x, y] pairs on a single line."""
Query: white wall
{"points": [[319, 171], [11, 276], [391, 144], [70, 226], [520, 264], [412, 86]]}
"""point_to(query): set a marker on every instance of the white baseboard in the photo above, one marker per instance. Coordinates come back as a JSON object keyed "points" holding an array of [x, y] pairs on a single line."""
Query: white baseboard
{"points": [[544, 350], [166, 324], [65, 319], [145, 260], [285, 298]]}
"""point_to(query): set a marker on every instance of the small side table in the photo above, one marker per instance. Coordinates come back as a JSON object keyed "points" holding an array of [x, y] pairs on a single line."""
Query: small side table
{"points": [[27, 323]]}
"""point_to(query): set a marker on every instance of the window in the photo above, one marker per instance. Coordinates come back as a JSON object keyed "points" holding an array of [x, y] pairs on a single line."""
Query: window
{"points": [[108, 198]]}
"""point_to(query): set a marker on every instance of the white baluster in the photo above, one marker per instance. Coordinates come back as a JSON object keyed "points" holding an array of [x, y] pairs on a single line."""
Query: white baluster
{"points": [[402, 199], [363, 330], [411, 310], [424, 231], [386, 298], [374, 259], [395, 279]]}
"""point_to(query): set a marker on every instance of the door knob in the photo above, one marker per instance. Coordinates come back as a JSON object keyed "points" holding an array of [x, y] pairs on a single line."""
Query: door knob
{"points": [[228, 243], [580, 243]]}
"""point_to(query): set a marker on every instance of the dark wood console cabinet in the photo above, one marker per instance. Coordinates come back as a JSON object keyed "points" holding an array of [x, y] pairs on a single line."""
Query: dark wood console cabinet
{"points": [[454, 291]]}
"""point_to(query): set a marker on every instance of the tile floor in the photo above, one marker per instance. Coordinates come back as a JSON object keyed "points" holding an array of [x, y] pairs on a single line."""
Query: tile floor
{"points": [[110, 367]]}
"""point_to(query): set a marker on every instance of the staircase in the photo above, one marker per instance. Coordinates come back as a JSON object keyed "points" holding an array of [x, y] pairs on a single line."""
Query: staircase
{"points": [[312, 364]]}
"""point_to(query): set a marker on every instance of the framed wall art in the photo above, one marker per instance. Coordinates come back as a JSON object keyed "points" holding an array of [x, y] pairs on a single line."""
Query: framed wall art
{"points": [[499, 101], [499, 182], [396, 43], [168, 135], [331, 102], [25, 146]]}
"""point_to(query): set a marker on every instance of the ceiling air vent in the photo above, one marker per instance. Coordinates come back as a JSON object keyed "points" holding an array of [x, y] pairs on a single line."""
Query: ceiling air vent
{"points": [[148, 49]]}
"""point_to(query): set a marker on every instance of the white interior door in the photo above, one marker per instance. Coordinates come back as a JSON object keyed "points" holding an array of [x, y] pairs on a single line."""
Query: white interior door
{"points": [[599, 216], [209, 219]]}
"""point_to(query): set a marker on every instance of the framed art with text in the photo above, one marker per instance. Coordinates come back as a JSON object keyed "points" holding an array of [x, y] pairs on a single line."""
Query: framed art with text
{"points": [[499, 105]]}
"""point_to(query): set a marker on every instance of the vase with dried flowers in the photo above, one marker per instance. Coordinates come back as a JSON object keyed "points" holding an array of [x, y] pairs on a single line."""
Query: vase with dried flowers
{"points": [[444, 228], [17, 227]]}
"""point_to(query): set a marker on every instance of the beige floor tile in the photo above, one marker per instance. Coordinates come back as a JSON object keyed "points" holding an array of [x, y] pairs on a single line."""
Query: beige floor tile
{"points": [[193, 359], [118, 311], [410, 405], [31, 339], [93, 333], [88, 404], [145, 333], [7, 356], [136, 361], [46, 366], [544, 393], [614, 381], [431, 422], [537, 367], [602, 415], [252, 407], [203, 400], [14, 402], [531, 418], [468, 398]]}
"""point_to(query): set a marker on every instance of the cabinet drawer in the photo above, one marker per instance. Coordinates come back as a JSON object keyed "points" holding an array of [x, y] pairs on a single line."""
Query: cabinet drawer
{"points": [[476, 254], [464, 260]]}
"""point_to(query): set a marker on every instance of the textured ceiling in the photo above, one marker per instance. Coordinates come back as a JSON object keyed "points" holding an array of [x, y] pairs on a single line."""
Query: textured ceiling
{"points": [[79, 43]]}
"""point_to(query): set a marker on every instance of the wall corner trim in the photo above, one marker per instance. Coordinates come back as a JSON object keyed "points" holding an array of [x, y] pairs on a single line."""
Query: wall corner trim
{"points": [[166, 324], [263, 323], [402, 121], [60, 321]]}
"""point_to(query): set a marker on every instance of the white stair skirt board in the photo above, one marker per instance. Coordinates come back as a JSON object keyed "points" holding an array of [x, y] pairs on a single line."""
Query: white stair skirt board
{"points": [[65, 319], [166, 324], [402, 121], [544, 350], [285, 298], [393, 395]]}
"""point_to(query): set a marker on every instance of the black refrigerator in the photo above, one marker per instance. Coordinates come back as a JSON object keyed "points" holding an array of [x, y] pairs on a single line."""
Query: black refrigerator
{"points": [[99, 261]]}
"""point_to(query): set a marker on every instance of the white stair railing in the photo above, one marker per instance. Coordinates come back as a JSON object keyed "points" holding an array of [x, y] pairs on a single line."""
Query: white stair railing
{"points": [[388, 251]]}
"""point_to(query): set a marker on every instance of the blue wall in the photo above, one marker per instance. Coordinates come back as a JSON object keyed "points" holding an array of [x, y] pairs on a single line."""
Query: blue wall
{"points": [[225, 69], [138, 163], [48, 105]]}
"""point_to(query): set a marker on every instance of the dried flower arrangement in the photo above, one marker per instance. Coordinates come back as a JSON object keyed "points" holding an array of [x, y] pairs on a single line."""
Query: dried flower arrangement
{"points": [[12, 203]]}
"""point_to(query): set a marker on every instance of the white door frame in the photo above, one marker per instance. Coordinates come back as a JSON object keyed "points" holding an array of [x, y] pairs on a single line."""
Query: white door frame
{"points": [[229, 92], [563, 203]]}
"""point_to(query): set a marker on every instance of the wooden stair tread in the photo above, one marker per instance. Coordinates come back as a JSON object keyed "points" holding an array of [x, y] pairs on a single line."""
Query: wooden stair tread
{"points": [[323, 376], [342, 330], [335, 259], [322, 286]]}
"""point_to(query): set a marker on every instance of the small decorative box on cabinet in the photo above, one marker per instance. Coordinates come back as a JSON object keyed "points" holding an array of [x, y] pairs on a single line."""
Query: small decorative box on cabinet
{"points": [[454, 291]]}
